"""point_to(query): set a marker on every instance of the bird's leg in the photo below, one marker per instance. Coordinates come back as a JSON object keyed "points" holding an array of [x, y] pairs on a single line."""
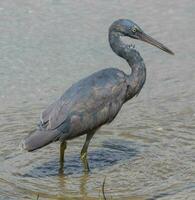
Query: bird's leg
{"points": [[62, 149], [84, 151]]}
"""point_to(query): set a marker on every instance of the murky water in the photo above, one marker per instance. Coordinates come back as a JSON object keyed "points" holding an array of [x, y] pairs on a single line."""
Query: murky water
{"points": [[148, 152]]}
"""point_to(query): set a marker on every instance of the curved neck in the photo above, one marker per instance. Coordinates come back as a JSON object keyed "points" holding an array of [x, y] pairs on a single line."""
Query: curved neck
{"points": [[137, 77]]}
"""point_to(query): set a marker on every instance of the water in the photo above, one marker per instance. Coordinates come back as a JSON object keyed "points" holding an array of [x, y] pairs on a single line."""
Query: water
{"points": [[148, 151]]}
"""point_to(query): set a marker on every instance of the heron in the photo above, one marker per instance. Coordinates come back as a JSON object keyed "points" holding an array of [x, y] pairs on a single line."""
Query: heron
{"points": [[95, 100]]}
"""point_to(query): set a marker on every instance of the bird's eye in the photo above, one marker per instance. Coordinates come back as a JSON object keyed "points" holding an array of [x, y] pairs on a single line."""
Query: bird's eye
{"points": [[134, 29]]}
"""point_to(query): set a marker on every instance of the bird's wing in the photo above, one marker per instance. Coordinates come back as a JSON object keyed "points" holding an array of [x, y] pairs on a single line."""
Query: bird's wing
{"points": [[89, 103], [46, 113], [55, 114]]}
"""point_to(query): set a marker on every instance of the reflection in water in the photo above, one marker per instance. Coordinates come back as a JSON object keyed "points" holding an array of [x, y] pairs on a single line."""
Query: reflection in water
{"points": [[83, 184], [62, 182], [100, 159]]}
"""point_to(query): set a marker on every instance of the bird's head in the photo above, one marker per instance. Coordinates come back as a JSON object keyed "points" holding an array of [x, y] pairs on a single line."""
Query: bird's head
{"points": [[129, 28]]}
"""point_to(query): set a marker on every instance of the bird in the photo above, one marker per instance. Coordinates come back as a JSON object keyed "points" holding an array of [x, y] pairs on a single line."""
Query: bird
{"points": [[95, 100]]}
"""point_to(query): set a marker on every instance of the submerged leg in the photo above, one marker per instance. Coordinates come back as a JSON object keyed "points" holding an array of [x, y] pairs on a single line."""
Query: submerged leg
{"points": [[84, 151], [62, 149]]}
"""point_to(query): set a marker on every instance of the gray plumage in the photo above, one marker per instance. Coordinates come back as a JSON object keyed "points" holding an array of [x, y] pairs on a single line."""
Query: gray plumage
{"points": [[97, 99]]}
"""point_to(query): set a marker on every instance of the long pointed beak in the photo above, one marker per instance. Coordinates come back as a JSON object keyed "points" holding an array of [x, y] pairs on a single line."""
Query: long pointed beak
{"points": [[146, 38]]}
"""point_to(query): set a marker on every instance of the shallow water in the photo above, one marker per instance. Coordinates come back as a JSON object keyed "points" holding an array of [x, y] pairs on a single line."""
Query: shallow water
{"points": [[148, 152]]}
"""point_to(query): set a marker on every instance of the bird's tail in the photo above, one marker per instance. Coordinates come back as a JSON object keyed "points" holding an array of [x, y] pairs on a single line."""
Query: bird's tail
{"points": [[38, 139]]}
